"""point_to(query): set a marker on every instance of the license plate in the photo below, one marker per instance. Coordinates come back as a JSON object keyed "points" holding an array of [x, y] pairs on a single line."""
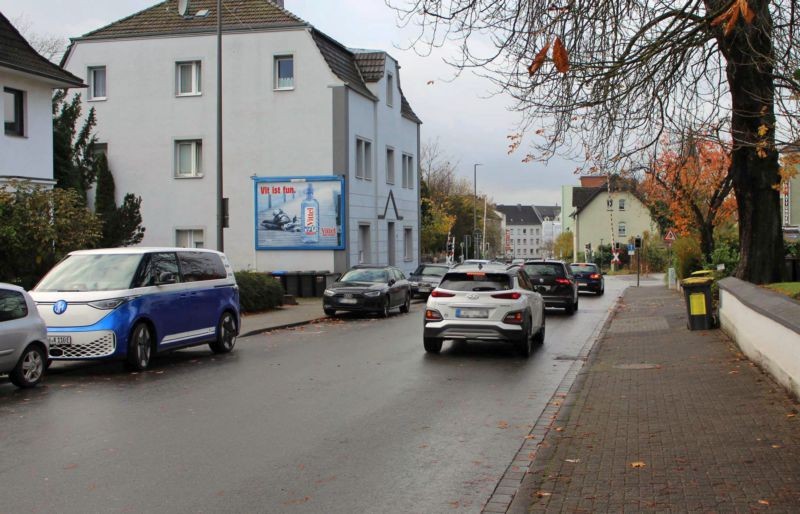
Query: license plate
{"points": [[472, 313], [424, 289], [60, 340], [348, 301]]}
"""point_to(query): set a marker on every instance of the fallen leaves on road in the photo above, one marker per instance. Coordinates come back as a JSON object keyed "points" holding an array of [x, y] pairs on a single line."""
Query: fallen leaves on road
{"points": [[638, 464], [503, 425], [573, 461], [763, 502], [542, 494], [297, 501], [531, 436]]}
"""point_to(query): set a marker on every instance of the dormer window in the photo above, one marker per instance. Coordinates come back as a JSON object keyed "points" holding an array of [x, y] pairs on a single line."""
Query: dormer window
{"points": [[389, 89]]}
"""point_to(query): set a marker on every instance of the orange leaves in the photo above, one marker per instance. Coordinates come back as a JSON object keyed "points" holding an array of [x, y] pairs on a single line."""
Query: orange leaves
{"points": [[732, 13], [559, 56], [638, 464], [538, 60]]}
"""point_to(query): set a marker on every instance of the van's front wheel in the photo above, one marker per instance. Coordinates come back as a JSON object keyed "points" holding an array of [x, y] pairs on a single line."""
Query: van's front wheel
{"points": [[226, 334], [140, 347]]}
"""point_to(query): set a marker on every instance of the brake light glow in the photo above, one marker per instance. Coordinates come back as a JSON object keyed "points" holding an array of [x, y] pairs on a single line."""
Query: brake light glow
{"points": [[594, 275], [563, 281], [436, 293], [514, 318], [508, 296], [432, 315], [476, 274]]}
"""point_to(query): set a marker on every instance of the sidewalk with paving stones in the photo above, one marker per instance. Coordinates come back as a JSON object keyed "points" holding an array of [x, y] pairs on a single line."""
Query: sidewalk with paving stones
{"points": [[662, 419], [306, 311]]}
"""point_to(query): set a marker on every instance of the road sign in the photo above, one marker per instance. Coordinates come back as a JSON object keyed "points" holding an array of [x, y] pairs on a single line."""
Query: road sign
{"points": [[670, 237], [615, 258]]}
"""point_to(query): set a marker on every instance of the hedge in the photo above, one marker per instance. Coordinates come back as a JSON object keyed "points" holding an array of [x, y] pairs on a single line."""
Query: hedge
{"points": [[258, 291]]}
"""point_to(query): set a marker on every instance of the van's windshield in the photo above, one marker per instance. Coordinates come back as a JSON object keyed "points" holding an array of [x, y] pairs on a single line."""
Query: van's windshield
{"points": [[92, 272]]}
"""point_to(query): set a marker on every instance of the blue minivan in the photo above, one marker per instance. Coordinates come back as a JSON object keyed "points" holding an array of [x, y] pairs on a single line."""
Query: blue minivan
{"points": [[132, 303]]}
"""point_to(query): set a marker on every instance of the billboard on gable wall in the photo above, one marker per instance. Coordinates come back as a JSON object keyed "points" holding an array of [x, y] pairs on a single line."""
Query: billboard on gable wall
{"points": [[299, 213]]}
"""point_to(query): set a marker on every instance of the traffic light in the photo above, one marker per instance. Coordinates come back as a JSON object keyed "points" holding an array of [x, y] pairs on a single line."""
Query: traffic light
{"points": [[616, 245], [638, 242], [588, 247]]}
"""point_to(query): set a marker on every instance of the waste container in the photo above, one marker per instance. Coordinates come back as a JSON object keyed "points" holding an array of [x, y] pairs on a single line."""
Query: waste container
{"points": [[697, 292], [307, 284], [280, 276], [320, 282], [703, 273], [293, 283]]}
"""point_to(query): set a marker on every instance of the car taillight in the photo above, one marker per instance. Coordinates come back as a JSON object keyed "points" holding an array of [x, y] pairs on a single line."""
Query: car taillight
{"points": [[441, 294], [563, 281], [594, 276], [508, 296], [432, 315], [514, 318]]}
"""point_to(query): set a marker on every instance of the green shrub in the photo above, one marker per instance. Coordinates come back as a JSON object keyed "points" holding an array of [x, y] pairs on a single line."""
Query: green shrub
{"points": [[687, 255], [724, 254], [258, 291]]}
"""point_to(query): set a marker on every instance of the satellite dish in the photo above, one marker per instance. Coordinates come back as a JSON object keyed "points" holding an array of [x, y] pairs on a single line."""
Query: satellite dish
{"points": [[183, 7]]}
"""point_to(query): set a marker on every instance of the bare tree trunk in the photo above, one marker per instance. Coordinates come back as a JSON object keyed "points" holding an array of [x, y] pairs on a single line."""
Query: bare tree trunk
{"points": [[754, 160]]}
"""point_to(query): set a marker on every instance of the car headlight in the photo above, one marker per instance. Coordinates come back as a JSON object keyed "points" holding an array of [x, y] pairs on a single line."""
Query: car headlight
{"points": [[329, 292], [112, 303], [414, 284], [372, 294]]}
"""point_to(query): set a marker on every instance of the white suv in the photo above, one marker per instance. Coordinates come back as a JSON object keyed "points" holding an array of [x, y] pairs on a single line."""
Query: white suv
{"points": [[487, 303]]}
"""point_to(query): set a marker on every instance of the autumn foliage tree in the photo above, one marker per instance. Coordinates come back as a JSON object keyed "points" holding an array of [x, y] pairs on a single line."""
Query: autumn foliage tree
{"points": [[602, 81], [690, 185]]}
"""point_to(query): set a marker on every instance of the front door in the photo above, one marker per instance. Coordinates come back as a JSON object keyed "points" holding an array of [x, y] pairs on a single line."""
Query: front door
{"points": [[390, 240]]}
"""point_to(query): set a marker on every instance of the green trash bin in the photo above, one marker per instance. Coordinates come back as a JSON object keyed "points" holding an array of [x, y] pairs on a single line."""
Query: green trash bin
{"points": [[699, 308]]}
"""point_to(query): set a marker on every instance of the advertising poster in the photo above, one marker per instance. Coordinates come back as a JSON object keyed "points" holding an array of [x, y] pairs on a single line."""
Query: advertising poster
{"points": [[299, 213]]}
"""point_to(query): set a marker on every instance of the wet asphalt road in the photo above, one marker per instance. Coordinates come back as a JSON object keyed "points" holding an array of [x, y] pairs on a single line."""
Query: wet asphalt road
{"points": [[344, 416]]}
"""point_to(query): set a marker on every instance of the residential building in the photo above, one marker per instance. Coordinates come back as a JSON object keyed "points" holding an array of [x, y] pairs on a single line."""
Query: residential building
{"points": [[601, 215], [320, 145], [27, 80], [550, 215], [523, 231]]}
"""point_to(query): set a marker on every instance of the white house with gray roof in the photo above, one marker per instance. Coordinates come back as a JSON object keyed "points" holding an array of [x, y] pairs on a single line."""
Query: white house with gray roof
{"points": [[27, 80], [296, 104]]}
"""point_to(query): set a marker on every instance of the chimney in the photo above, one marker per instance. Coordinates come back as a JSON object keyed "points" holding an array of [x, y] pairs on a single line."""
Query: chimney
{"points": [[279, 3]]}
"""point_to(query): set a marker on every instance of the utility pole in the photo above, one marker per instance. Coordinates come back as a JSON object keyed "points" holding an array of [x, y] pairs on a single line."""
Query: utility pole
{"points": [[220, 193], [475, 199]]}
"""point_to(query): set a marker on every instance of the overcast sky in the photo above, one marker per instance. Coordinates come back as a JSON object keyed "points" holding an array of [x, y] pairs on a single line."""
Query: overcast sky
{"points": [[470, 124]]}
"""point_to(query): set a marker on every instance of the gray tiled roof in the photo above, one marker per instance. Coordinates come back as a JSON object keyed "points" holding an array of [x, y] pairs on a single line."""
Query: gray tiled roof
{"points": [[342, 62], [371, 63], [163, 18], [547, 211], [519, 214], [583, 196], [17, 54]]}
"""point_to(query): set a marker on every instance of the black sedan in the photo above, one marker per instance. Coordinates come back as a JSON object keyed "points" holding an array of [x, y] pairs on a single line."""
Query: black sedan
{"points": [[365, 288], [589, 277], [426, 277], [555, 282]]}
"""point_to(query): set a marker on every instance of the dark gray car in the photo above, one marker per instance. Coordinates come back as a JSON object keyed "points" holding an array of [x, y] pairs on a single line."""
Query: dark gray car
{"points": [[365, 288], [426, 277], [555, 282]]}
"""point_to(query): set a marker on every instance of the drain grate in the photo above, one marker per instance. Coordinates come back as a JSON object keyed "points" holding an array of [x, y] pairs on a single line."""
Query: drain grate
{"points": [[638, 365]]}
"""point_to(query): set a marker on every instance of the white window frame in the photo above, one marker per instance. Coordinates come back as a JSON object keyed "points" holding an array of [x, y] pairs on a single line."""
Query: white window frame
{"points": [[389, 89], [390, 165], [622, 229], [363, 158], [192, 240], [90, 73], [408, 244], [408, 171], [621, 204], [195, 88], [196, 158], [276, 72]]}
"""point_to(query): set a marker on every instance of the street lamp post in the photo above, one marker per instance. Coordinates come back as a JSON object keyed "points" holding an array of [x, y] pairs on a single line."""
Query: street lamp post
{"points": [[475, 202]]}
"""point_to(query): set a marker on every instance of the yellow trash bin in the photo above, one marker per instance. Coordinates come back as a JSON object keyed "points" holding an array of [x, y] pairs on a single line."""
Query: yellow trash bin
{"points": [[697, 292]]}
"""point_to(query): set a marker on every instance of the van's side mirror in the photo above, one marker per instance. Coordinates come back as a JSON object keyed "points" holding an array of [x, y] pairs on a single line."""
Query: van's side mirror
{"points": [[165, 277], [392, 281]]}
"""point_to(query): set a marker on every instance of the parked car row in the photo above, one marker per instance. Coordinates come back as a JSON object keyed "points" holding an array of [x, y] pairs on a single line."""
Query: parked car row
{"points": [[124, 303]]}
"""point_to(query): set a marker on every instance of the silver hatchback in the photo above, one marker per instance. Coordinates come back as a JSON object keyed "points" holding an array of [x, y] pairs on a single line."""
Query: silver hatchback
{"points": [[23, 337]]}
